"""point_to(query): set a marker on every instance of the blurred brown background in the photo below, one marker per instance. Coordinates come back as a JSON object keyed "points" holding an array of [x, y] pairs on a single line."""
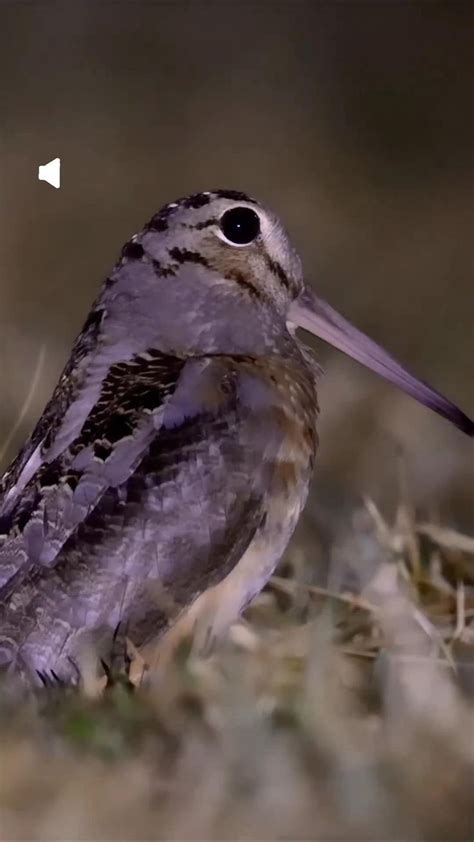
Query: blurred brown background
{"points": [[352, 120]]}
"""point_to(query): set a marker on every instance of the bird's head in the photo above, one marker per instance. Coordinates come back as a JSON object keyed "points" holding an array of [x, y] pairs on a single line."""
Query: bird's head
{"points": [[243, 246], [215, 272]]}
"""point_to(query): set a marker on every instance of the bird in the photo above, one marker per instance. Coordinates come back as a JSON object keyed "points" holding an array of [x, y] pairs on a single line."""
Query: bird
{"points": [[173, 460]]}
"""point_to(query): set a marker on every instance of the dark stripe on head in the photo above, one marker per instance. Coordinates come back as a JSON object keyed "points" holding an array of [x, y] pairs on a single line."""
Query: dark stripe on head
{"points": [[133, 251], [243, 281], [159, 222], [185, 256], [197, 200], [163, 271], [233, 195], [278, 270], [205, 224]]}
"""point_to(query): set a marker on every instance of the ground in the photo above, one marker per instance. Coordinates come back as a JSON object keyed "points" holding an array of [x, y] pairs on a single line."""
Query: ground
{"points": [[326, 714]]}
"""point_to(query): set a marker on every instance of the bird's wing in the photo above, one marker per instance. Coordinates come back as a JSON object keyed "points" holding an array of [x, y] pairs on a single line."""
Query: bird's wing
{"points": [[157, 416], [156, 500], [30, 456], [112, 440]]}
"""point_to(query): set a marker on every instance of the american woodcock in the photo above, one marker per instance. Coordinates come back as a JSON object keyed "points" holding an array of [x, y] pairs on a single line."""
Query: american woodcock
{"points": [[173, 460]]}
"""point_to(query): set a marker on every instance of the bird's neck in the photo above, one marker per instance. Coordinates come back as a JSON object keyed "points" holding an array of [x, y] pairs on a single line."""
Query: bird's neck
{"points": [[192, 313]]}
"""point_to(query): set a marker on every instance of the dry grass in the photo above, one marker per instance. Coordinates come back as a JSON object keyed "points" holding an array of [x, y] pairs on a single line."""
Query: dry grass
{"points": [[326, 714]]}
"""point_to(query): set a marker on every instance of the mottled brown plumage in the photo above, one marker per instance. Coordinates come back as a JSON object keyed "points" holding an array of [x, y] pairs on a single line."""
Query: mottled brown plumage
{"points": [[168, 471]]}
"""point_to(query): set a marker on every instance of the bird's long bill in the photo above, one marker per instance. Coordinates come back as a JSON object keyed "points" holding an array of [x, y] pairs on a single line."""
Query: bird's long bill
{"points": [[320, 319]]}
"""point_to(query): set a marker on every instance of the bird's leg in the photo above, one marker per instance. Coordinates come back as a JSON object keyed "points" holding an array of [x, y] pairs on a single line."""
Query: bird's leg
{"points": [[209, 618], [118, 662]]}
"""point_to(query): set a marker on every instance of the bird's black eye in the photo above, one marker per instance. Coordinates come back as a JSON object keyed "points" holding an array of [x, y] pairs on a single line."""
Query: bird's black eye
{"points": [[240, 226]]}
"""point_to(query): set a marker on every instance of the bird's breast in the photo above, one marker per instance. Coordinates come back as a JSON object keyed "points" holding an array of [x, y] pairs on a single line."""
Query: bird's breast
{"points": [[282, 394]]}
